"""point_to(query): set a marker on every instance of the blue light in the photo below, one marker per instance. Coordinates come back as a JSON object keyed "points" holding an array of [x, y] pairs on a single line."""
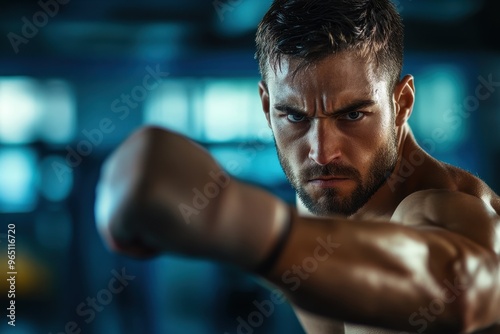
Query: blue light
{"points": [[168, 106], [58, 123], [20, 110], [31, 110], [211, 110], [17, 180], [239, 17], [52, 186], [439, 120], [232, 111]]}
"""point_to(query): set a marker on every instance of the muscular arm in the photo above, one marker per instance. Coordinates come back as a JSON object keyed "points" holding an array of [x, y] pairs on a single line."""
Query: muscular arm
{"points": [[378, 274], [398, 277]]}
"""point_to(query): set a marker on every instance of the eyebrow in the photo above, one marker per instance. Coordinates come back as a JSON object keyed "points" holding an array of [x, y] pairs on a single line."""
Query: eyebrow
{"points": [[354, 106]]}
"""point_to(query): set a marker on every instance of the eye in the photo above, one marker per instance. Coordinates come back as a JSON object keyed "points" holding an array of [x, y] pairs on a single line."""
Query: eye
{"points": [[353, 116], [296, 118]]}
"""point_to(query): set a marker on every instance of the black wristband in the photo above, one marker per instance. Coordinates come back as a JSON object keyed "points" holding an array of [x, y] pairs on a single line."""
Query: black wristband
{"points": [[265, 266]]}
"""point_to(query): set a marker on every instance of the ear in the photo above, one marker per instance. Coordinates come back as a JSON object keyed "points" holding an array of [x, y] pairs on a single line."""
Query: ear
{"points": [[404, 99], [264, 98]]}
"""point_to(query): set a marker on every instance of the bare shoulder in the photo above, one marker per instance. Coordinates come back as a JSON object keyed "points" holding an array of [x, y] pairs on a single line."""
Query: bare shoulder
{"points": [[474, 186], [468, 207]]}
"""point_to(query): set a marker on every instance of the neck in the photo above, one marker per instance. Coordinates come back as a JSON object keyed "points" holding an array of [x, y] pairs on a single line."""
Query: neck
{"points": [[384, 202]]}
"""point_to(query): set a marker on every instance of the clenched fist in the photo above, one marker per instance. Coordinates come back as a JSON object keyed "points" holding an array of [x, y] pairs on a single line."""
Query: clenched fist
{"points": [[159, 192]]}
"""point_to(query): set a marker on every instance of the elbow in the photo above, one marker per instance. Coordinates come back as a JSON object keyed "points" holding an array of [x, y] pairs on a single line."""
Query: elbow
{"points": [[455, 308], [462, 319], [441, 314], [455, 318], [470, 313]]}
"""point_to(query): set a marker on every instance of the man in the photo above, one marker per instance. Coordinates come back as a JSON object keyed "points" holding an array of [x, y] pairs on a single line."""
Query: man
{"points": [[400, 240]]}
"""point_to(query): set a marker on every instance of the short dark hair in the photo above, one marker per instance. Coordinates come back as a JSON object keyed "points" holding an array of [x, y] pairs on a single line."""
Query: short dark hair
{"points": [[310, 30]]}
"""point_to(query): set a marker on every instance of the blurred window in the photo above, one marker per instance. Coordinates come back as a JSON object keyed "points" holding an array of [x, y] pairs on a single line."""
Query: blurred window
{"points": [[438, 119], [31, 109], [210, 110], [18, 180]]}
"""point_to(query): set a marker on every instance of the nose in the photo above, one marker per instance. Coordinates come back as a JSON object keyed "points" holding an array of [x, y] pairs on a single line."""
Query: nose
{"points": [[324, 146]]}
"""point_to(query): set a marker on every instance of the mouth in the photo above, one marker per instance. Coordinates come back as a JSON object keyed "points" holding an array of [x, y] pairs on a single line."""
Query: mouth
{"points": [[328, 181]]}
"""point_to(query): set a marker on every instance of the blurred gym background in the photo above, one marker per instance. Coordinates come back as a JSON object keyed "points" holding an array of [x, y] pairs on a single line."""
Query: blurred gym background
{"points": [[77, 77]]}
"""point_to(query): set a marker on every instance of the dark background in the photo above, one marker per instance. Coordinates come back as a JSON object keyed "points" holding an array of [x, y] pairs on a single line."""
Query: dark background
{"points": [[63, 76]]}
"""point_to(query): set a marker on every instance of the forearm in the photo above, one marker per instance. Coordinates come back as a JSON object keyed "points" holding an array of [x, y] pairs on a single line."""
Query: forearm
{"points": [[240, 226], [380, 274], [249, 225]]}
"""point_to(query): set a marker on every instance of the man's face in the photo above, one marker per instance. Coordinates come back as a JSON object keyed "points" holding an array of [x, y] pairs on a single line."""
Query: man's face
{"points": [[334, 129]]}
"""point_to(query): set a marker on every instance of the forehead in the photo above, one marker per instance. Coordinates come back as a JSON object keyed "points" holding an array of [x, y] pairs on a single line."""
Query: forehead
{"points": [[332, 80]]}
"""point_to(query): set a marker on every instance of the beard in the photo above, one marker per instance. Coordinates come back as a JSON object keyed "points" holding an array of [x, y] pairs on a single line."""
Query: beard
{"points": [[329, 201]]}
